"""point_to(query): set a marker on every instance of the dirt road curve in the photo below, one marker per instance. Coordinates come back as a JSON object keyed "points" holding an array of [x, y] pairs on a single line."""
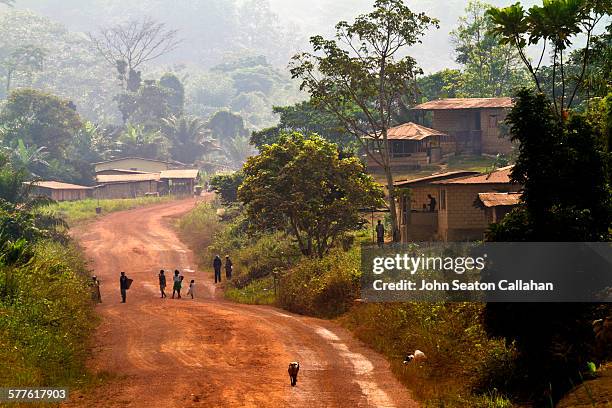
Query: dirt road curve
{"points": [[209, 352]]}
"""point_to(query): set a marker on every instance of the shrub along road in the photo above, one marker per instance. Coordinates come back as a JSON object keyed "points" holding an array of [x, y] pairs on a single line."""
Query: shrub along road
{"points": [[208, 351]]}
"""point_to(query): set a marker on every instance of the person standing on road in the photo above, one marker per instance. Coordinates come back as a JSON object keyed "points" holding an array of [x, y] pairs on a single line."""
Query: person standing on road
{"points": [[176, 287], [162, 284], [380, 234], [228, 267], [191, 288], [123, 286], [217, 266], [95, 290]]}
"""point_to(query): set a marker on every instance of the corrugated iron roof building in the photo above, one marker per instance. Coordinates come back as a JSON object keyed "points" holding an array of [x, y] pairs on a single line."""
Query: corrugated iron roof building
{"points": [[59, 191], [178, 182], [126, 185]]}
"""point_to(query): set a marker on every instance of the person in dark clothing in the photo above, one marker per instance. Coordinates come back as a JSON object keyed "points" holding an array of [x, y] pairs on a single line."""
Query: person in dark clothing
{"points": [[162, 283], [217, 266], [177, 284], [95, 290], [123, 286], [432, 203], [380, 234], [228, 267]]}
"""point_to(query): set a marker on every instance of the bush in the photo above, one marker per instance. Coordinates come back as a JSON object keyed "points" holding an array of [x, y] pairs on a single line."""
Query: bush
{"points": [[323, 287], [46, 317], [198, 228]]}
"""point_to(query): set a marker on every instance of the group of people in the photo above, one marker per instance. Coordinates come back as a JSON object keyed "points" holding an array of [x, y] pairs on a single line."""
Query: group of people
{"points": [[177, 284], [177, 281], [218, 264]]}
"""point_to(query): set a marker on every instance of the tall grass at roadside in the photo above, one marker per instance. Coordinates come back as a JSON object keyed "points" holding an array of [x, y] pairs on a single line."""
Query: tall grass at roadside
{"points": [[82, 210], [460, 357], [46, 317], [198, 228]]}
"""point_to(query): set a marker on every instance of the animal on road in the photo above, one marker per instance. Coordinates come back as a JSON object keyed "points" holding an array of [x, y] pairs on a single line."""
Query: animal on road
{"points": [[294, 368]]}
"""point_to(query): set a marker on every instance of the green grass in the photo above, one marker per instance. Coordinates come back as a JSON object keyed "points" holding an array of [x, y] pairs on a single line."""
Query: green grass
{"points": [[77, 211], [470, 163], [257, 292]]}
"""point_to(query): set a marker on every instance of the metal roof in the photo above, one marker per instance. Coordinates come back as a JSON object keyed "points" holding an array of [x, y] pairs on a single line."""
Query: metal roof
{"points": [[499, 199], [435, 177], [125, 178], [412, 131], [138, 158], [57, 185], [123, 171], [179, 174], [465, 103], [500, 176]]}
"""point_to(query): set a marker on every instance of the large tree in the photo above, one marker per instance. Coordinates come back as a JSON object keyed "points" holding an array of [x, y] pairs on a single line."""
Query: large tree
{"points": [[365, 68], [301, 185], [490, 69], [129, 45], [556, 24]]}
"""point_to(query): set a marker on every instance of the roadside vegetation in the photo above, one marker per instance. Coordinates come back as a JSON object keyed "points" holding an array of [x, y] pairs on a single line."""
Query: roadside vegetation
{"points": [[46, 312]]}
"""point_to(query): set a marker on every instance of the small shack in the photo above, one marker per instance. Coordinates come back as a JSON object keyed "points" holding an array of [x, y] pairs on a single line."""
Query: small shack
{"points": [[126, 185], [497, 205], [178, 182], [60, 191], [412, 146], [475, 123]]}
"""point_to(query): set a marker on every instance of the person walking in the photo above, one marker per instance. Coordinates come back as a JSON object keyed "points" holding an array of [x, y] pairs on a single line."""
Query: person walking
{"points": [[380, 234], [162, 284], [432, 203], [191, 288], [176, 287], [95, 290], [217, 263], [228, 267], [124, 285]]}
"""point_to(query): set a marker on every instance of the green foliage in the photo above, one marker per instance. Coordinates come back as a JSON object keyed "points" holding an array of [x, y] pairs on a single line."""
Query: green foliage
{"points": [[197, 229], [188, 138], [323, 287], [226, 186], [554, 160], [317, 210], [135, 140], [176, 93]]}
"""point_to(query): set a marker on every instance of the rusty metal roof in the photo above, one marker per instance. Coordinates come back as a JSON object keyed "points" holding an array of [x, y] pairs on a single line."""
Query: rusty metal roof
{"points": [[499, 199], [500, 176], [126, 178], [412, 131], [141, 159], [57, 185], [465, 103], [434, 177], [179, 174]]}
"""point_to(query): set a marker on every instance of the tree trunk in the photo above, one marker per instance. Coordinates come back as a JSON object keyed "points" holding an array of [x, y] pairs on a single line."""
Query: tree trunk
{"points": [[390, 188]]}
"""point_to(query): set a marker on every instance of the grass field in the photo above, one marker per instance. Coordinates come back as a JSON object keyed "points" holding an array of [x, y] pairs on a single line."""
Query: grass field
{"points": [[78, 211]]}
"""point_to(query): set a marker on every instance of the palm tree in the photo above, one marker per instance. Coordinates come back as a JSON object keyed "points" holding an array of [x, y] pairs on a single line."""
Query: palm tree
{"points": [[238, 149], [30, 158], [189, 137], [136, 141]]}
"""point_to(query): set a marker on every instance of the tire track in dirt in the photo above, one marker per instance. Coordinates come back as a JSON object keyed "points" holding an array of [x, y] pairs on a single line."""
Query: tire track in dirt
{"points": [[209, 352]]}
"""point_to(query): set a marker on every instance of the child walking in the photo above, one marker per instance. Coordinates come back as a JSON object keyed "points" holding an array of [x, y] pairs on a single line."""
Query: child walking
{"points": [[191, 288]]}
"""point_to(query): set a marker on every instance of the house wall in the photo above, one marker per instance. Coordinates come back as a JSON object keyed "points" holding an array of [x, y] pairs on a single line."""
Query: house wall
{"points": [[62, 195], [125, 190], [461, 220], [419, 225], [461, 124], [133, 164]]}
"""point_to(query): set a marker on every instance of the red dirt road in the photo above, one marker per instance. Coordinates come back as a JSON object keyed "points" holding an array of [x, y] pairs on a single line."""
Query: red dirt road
{"points": [[209, 352]]}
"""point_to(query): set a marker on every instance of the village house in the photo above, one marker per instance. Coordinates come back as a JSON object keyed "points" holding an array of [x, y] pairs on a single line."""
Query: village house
{"points": [[60, 191], [497, 205], [136, 164], [412, 146], [126, 185], [178, 182], [474, 123], [457, 215]]}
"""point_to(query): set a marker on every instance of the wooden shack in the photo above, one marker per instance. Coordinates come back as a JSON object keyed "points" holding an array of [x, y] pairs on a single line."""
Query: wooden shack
{"points": [[59, 191], [126, 185]]}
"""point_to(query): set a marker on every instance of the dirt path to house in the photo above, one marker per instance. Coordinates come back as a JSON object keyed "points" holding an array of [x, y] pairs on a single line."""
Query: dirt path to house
{"points": [[209, 352]]}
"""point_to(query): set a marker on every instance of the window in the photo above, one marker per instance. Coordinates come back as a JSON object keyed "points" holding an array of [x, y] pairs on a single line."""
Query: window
{"points": [[442, 199]]}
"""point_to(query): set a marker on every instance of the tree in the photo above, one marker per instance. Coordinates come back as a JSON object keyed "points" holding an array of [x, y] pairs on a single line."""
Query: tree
{"points": [[367, 74], [225, 125], [129, 45], [306, 118], [24, 59], [318, 209], [137, 141], [555, 23], [238, 150], [555, 161], [39, 119], [29, 157], [226, 186], [188, 136], [490, 69], [8, 2], [176, 93]]}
